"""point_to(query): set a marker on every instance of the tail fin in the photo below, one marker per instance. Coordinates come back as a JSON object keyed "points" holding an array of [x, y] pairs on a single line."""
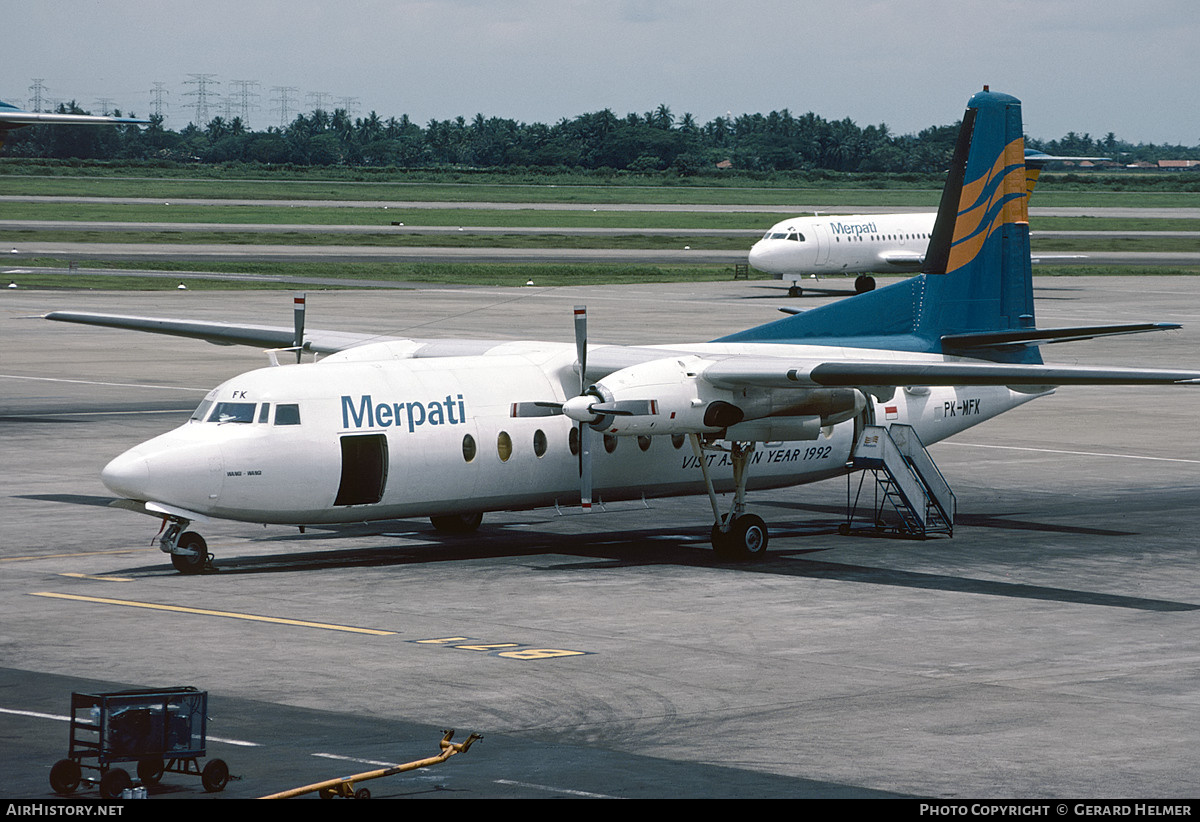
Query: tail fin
{"points": [[977, 275]]}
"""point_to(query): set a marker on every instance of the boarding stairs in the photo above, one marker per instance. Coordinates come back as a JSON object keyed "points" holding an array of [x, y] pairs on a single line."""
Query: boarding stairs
{"points": [[911, 496]]}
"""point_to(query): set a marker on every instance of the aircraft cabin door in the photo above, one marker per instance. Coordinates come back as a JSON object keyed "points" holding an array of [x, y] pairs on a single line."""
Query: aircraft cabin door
{"points": [[364, 469], [822, 238]]}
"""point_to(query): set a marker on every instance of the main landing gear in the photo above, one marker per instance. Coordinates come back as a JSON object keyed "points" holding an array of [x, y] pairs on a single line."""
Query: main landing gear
{"points": [[188, 550], [736, 535], [862, 284]]}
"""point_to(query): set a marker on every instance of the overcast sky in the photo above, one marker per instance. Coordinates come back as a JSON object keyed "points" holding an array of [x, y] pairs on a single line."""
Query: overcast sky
{"points": [[1090, 66]]}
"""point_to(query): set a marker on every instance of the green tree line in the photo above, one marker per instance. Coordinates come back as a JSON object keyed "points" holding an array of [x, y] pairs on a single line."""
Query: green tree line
{"points": [[656, 141]]}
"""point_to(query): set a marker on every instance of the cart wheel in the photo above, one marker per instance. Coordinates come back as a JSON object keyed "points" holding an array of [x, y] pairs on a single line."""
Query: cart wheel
{"points": [[150, 770], [215, 775], [362, 793], [65, 776], [326, 793], [114, 782]]}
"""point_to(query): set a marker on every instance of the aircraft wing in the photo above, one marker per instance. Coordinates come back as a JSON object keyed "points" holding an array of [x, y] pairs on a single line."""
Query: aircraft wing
{"points": [[218, 333], [778, 372], [12, 117]]}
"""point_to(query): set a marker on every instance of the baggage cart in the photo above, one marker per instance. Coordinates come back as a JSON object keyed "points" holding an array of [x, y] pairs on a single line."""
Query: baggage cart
{"points": [[161, 730]]}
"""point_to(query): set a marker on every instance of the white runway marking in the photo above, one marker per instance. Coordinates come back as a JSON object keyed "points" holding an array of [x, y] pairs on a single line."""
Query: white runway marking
{"points": [[38, 715], [1072, 453], [111, 384], [550, 789]]}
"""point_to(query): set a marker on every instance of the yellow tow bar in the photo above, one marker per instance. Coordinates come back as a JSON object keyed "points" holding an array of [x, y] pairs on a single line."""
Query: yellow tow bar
{"points": [[345, 786]]}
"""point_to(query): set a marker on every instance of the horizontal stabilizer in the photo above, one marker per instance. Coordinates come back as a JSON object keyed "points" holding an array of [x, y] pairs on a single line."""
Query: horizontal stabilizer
{"points": [[1045, 336]]}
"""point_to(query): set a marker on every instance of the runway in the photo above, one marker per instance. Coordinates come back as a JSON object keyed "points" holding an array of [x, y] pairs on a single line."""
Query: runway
{"points": [[1048, 650], [481, 254], [751, 208]]}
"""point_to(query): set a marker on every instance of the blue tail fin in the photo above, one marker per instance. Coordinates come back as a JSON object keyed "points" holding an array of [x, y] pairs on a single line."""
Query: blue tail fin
{"points": [[977, 275]]}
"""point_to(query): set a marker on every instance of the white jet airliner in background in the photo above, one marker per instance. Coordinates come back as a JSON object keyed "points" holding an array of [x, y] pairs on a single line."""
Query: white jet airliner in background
{"points": [[452, 429], [862, 244]]}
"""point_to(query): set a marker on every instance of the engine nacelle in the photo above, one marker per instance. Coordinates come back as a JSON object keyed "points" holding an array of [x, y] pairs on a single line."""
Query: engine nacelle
{"points": [[668, 398]]}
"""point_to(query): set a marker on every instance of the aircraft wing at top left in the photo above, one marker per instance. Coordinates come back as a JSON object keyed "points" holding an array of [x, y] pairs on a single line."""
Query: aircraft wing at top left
{"points": [[220, 333], [13, 117]]}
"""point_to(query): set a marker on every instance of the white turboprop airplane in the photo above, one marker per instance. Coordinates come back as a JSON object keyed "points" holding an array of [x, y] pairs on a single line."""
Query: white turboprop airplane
{"points": [[861, 244], [12, 117], [451, 429]]}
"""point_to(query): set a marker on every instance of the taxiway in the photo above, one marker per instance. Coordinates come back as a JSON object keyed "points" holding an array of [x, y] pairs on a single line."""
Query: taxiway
{"points": [[1049, 649]]}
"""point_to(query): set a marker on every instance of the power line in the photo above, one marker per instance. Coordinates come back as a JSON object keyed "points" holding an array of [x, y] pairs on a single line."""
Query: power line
{"points": [[201, 82], [37, 89], [284, 99], [156, 98], [242, 98]]}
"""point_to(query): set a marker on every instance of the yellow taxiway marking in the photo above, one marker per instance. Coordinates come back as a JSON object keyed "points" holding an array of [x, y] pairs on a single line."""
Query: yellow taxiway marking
{"points": [[206, 612], [32, 557], [98, 577]]}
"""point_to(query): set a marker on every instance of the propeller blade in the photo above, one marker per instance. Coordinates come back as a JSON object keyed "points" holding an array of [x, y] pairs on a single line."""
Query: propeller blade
{"points": [[581, 345], [298, 324], [585, 467]]}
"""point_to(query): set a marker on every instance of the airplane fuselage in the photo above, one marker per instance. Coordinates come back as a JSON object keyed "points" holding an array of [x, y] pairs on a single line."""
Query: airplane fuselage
{"points": [[845, 244], [352, 439]]}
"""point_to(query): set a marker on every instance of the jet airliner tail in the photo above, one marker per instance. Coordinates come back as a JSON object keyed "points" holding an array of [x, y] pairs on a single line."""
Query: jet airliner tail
{"points": [[975, 293], [977, 275]]}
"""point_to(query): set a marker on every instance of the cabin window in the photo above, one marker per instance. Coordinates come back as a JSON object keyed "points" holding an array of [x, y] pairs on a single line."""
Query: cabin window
{"points": [[644, 443], [233, 412], [573, 441], [610, 443], [287, 414], [504, 446], [677, 440], [539, 442], [468, 448]]}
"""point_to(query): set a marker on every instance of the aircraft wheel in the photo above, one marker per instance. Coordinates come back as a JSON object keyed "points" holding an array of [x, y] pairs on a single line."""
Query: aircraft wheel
{"points": [[749, 536], [65, 776], [457, 523], [863, 284], [795, 291], [191, 564], [150, 770], [745, 539], [114, 782], [215, 775]]}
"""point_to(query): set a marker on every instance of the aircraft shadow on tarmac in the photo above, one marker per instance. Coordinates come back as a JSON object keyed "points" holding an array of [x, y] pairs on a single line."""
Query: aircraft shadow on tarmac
{"points": [[626, 548], [1000, 521]]}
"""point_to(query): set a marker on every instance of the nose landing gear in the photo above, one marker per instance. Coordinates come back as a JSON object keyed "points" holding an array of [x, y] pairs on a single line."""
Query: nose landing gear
{"points": [[188, 550]]}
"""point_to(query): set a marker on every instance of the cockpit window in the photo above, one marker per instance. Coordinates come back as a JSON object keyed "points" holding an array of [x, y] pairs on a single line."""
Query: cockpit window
{"points": [[797, 236], [264, 412], [287, 414], [233, 412], [784, 235], [201, 410]]}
